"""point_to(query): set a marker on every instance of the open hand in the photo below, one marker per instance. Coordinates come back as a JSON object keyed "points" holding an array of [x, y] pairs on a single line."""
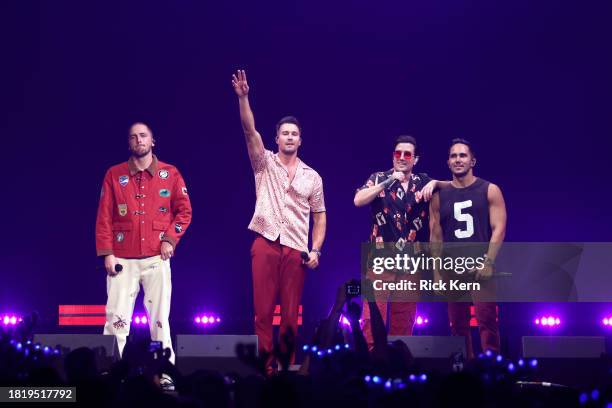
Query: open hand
{"points": [[240, 84]]}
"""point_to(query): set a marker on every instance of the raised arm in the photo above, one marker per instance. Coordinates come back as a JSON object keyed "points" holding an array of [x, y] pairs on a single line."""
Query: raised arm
{"points": [[253, 138], [429, 188], [368, 193]]}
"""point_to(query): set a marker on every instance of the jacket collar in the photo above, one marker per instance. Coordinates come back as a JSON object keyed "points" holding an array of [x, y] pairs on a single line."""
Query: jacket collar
{"points": [[152, 169]]}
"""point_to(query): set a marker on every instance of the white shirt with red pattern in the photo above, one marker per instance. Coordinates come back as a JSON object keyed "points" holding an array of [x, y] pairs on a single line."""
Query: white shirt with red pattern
{"points": [[283, 209]]}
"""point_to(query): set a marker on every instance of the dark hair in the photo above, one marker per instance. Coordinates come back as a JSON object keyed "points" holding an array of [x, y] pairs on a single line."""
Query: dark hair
{"points": [[289, 119], [407, 139], [459, 140]]}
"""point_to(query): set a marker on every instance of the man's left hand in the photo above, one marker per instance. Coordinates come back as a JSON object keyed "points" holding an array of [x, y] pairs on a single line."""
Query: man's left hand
{"points": [[313, 260], [428, 190], [167, 250]]}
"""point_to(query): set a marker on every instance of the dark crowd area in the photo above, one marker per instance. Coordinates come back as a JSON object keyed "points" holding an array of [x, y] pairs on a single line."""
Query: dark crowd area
{"points": [[339, 369]]}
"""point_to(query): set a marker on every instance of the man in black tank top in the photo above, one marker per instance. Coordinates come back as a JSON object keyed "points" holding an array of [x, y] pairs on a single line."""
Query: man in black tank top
{"points": [[470, 209]]}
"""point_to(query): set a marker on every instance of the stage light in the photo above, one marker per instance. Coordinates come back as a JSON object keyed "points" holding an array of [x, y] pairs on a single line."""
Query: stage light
{"points": [[344, 321], [607, 321], [9, 319], [423, 377], [421, 320], [376, 379], [207, 319], [412, 377], [140, 320], [367, 378], [548, 321], [388, 384], [511, 367], [533, 363]]}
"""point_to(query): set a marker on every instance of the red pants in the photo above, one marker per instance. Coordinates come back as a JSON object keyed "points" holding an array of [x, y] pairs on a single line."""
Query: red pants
{"points": [[459, 317], [402, 314], [277, 270]]}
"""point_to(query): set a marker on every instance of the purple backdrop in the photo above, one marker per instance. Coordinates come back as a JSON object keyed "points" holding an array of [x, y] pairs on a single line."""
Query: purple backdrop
{"points": [[528, 83]]}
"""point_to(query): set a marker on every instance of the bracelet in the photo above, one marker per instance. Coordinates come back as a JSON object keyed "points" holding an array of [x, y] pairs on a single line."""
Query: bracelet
{"points": [[316, 251]]}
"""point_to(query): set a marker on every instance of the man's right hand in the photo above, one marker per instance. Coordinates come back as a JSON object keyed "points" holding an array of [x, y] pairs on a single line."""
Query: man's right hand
{"points": [[240, 84], [109, 264], [399, 176]]}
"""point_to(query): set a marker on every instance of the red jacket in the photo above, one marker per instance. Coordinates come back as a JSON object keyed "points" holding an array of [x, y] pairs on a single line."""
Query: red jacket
{"points": [[140, 209]]}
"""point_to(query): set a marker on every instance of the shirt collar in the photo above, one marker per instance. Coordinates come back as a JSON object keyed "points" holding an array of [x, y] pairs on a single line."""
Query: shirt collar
{"points": [[300, 163], [152, 169]]}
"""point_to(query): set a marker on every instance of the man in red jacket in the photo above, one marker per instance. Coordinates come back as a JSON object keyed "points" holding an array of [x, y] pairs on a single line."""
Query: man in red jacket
{"points": [[144, 211]]}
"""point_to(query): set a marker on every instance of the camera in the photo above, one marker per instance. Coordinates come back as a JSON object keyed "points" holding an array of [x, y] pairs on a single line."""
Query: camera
{"points": [[352, 288]]}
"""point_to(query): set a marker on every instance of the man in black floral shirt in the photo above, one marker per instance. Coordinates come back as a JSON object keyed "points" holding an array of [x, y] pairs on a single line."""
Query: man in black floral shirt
{"points": [[397, 199]]}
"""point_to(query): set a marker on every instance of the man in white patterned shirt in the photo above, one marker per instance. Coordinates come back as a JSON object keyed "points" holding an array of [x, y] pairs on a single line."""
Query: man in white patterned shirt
{"points": [[287, 192]]}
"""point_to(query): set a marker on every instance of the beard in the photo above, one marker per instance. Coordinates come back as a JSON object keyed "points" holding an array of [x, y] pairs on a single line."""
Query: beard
{"points": [[289, 150], [139, 152]]}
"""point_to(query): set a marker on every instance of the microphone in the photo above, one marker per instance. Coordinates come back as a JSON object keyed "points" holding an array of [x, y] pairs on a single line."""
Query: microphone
{"points": [[390, 186], [118, 267], [304, 256], [472, 272], [501, 274]]}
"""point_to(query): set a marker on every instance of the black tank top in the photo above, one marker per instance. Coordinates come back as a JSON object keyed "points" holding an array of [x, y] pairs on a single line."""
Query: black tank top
{"points": [[464, 213]]}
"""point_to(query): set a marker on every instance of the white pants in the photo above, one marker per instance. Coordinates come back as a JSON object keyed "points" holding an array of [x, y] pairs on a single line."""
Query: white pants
{"points": [[122, 290]]}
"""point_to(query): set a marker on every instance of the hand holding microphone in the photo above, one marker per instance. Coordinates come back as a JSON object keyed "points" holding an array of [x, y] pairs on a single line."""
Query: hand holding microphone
{"points": [[111, 265], [311, 259], [397, 176]]}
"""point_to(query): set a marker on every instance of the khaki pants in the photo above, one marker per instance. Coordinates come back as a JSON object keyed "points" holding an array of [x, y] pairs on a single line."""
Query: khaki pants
{"points": [[122, 290]]}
